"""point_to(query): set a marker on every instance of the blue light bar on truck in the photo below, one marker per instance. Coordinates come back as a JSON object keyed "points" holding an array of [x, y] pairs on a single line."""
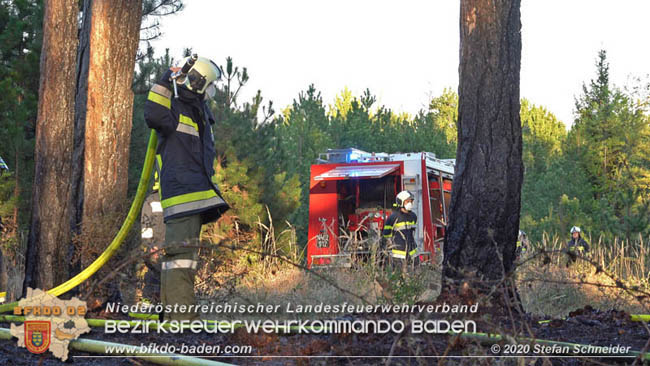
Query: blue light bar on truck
{"points": [[358, 172], [349, 155]]}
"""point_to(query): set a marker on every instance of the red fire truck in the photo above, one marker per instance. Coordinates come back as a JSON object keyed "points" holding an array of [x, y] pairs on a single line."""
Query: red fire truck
{"points": [[351, 194]]}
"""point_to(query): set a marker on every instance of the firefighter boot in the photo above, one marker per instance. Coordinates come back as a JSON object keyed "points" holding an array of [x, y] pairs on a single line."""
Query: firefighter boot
{"points": [[179, 267], [398, 265]]}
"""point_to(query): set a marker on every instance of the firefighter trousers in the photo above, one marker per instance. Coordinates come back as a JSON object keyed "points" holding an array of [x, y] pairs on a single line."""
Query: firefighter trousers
{"points": [[402, 260], [401, 264], [152, 238], [178, 267]]}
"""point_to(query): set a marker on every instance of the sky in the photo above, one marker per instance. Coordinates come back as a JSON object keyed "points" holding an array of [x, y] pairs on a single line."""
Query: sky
{"points": [[405, 52]]}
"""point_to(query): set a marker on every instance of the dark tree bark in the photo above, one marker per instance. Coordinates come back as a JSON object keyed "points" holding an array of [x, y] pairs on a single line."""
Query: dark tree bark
{"points": [[49, 234], [81, 96], [484, 212], [114, 36]]}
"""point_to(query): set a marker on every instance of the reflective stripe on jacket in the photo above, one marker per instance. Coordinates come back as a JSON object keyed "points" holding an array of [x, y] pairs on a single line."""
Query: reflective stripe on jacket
{"points": [[580, 245], [185, 153], [522, 247], [400, 227]]}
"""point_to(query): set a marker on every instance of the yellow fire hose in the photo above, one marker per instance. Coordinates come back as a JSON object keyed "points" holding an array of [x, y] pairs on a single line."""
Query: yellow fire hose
{"points": [[143, 185], [633, 318], [93, 346], [640, 317], [154, 317], [485, 338]]}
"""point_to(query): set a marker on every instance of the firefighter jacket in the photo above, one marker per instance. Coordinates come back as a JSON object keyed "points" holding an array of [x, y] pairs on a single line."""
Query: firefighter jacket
{"points": [[579, 245], [522, 247], [400, 228], [3, 165], [185, 153]]}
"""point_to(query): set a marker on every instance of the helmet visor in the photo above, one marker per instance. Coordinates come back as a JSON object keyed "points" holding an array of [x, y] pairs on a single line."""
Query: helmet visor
{"points": [[211, 91], [196, 81]]}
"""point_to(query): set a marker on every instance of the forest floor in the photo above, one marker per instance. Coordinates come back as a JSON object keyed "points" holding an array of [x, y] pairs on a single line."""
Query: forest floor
{"points": [[582, 313], [585, 326]]}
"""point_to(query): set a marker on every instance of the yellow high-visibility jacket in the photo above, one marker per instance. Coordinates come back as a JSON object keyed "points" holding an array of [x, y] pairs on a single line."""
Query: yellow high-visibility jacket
{"points": [[400, 227], [185, 152]]}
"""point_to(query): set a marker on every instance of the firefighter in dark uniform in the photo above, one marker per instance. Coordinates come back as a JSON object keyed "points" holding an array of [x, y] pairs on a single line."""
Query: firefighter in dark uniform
{"points": [[3, 167], [185, 155], [399, 232], [577, 245], [522, 244]]}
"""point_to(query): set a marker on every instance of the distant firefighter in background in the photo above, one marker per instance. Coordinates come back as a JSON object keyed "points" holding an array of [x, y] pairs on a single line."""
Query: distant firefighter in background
{"points": [[3, 166], [577, 245], [522, 245]]}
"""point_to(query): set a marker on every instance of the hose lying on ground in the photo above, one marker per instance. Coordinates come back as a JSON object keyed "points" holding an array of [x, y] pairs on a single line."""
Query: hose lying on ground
{"points": [[485, 338], [118, 349], [143, 186]]}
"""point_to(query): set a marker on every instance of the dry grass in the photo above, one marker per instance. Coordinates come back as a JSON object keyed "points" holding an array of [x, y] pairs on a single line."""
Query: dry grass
{"points": [[297, 286], [13, 244], [252, 269], [555, 289], [268, 268]]}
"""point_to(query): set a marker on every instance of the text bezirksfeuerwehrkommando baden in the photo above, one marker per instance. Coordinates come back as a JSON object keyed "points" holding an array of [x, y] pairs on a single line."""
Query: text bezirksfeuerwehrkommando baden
{"points": [[331, 326], [290, 308]]}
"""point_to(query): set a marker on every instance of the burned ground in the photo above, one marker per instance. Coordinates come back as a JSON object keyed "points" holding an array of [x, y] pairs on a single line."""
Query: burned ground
{"points": [[585, 326], [545, 289]]}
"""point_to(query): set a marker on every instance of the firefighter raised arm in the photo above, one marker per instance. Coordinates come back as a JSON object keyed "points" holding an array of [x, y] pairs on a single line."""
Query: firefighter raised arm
{"points": [[185, 156]]}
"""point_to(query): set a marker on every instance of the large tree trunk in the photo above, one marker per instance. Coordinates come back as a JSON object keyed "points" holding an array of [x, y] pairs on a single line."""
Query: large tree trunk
{"points": [[484, 212], [114, 40], [49, 234]]}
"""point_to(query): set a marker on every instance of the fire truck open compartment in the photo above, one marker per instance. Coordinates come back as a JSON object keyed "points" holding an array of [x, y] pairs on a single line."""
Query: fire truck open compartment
{"points": [[363, 206], [360, 194], [439, 204], [352, 194], [348, 205]]}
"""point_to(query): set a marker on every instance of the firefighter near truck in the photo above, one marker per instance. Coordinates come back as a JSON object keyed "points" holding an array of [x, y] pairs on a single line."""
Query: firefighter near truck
{"points": [[352, 194]]}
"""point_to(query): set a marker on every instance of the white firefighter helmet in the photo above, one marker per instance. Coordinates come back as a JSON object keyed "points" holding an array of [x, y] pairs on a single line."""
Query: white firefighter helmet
{"points": [[522, 234], [575, 229], [202, 77], [402, 197]]}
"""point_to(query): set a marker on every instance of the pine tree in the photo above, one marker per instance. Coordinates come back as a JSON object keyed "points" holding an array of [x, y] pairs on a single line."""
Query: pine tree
{"points": [[20, 49], [49, 233], [485, 205], [611, 138]]}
